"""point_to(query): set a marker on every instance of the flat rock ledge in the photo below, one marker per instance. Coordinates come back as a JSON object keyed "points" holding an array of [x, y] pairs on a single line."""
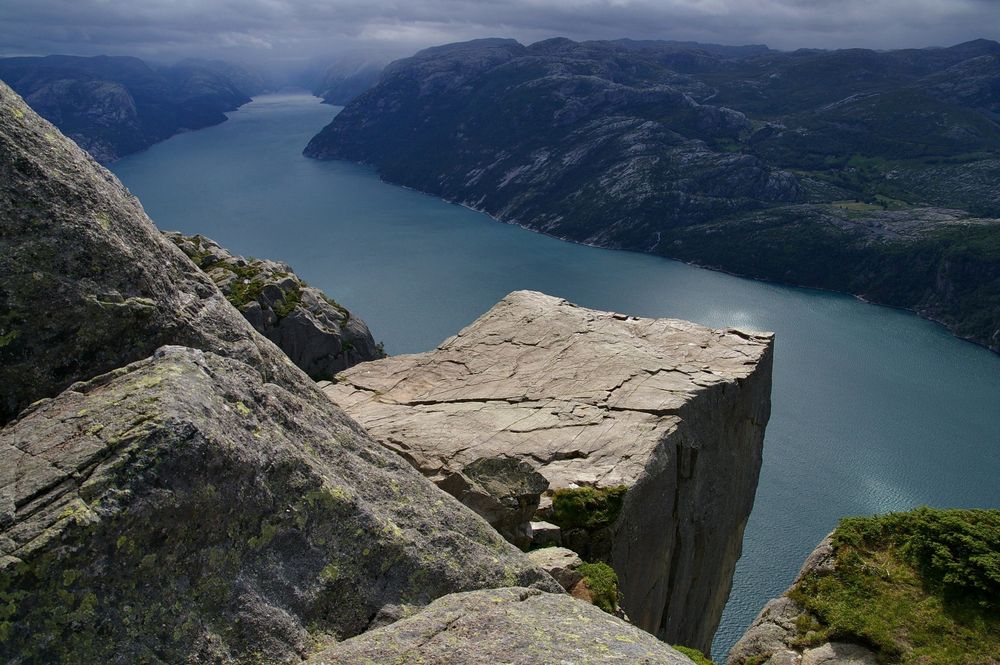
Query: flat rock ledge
{"points": [[672, 410], [513, 625], [773, 636]]}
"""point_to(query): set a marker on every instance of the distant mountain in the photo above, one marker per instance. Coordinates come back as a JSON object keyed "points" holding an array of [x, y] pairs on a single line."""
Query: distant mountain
{"points": [[875, 173], [114, 106], [347, 77]]}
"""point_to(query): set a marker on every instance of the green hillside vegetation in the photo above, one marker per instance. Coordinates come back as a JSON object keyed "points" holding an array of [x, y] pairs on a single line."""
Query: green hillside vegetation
{"points": [[919, 588]]}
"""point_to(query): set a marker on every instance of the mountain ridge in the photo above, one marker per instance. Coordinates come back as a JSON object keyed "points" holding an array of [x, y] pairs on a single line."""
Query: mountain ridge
{"points": [[872, 157]]}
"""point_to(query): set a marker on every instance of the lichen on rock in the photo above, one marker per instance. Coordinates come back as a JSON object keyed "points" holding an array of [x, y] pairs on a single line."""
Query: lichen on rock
{"points": [[320, 335], [511, 625], [184, 509]]}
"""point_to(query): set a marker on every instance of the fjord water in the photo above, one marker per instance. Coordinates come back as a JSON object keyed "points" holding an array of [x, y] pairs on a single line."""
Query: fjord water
{"points": [[874, 409]]}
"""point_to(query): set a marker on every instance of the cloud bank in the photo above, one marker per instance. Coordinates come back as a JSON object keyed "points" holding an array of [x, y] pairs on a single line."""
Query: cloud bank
{"points": [[292, 29]]}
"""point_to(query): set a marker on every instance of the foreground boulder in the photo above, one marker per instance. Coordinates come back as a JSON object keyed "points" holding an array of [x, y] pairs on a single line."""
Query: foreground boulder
{"points": [[198, 505], [653, 426], [522, 626], [185, 509], [918, 587], [87, 283], [317, 333]]}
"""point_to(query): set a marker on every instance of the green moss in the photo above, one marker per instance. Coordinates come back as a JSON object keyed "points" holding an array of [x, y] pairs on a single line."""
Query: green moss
{"points": [[336, 305], [602, 581], [8, 337], [267, 533], [695, 655], [330, 573], [248, 284], [288, 303], [587, 507], [919, 587]]}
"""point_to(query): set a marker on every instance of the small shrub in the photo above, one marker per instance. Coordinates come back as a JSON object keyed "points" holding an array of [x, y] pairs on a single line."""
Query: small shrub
{"points": [[587, 507], [920, 588], [695, 655], [602, 581]]}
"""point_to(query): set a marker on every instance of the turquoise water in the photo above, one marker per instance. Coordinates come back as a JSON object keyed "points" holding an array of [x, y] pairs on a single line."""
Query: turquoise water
{"points": [[874, 408]]}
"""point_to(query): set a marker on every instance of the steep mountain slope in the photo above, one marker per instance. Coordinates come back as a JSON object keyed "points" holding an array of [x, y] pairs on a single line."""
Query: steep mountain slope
{"points": [[868, 172], [114, 106], [172, 488]]}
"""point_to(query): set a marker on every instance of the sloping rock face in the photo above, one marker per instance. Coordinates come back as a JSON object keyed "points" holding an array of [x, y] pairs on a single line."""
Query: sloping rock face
{"points": [[520, 626], [184, 509], [672, 410], [87, 283], [320, 336], [197, 505]]}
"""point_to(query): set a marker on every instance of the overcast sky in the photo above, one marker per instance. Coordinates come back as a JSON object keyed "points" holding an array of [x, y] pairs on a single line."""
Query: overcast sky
{"points": [[283, 29]]}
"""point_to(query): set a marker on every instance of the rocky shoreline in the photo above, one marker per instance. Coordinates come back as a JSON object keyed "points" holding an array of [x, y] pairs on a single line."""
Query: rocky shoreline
{"points": [[622, 148]]}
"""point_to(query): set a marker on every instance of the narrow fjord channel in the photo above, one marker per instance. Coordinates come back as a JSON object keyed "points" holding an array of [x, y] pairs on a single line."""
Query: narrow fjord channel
{"points": [[874, 409]]}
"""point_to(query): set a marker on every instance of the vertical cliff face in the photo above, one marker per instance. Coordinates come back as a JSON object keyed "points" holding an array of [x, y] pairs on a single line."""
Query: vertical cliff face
{"points": [[705, 473], [672, 411]]}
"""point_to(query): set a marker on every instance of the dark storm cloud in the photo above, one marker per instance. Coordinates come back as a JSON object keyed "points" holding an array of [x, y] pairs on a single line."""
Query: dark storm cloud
{"points": [[296, 28]]}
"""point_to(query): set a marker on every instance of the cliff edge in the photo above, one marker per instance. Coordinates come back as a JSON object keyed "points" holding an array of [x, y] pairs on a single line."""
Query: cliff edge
{"points": [[649, 432], [172, 487]]}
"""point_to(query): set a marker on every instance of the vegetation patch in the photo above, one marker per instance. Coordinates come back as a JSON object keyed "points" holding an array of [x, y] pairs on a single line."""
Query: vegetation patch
{"points": [[288, 303], [919, 587], [602, 581], [247, 286], [587, 507], [695, 655]]}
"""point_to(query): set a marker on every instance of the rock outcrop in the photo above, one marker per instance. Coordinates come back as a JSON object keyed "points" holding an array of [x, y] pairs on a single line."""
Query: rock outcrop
{"points": [[184, 509], [562, 564], [505, 491], [521, 626], [775, 637], [197, 505], [87, 283], [674, 411], [916, 587], [320, 335]]}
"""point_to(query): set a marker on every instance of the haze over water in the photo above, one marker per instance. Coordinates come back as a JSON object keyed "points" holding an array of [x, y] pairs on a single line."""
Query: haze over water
{"points": [[874, 409]]}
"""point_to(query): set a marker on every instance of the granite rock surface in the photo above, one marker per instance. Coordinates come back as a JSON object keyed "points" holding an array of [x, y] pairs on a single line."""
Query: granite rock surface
{"points": [[87, 282], [185, 509], [320, 335], [514, 625], [673, 410]]}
